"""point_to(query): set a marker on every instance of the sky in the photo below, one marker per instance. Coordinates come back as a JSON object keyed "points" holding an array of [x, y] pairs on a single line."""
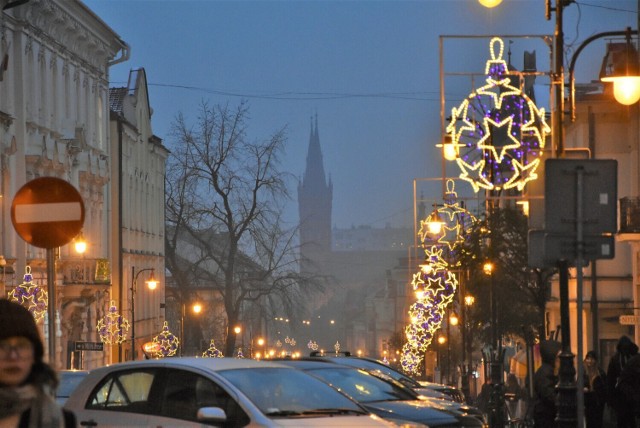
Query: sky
{"points": [[369, 70]]}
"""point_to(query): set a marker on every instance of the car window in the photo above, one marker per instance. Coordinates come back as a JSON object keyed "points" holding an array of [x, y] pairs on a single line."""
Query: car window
{"points": [[185, 392], [277, 390], [361, 386], [124, 391]]}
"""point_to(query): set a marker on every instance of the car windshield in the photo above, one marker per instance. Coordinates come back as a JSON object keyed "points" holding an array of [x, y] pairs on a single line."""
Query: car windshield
{"points": [[281, 392], [361, 386], [371, 365]]}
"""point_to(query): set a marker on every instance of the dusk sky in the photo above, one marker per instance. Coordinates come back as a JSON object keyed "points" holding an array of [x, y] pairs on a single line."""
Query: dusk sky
{"points": [[368, 69]]}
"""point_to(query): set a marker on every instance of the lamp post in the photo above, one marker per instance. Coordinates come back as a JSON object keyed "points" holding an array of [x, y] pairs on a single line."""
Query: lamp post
{"points": [[237, 330], [466, 328], [496, 401], [152, 283], [441, 341], [196, 308]]}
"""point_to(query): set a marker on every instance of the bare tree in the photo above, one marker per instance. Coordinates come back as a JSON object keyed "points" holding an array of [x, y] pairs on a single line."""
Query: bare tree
{"points": [[224, 217]]}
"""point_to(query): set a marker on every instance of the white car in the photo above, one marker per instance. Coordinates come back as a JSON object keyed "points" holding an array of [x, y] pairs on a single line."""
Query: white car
{"points": [[197, 392]]}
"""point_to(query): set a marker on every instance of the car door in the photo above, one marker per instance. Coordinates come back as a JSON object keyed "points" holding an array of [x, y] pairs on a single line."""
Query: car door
{"points": [[184, 392], [121, 398]]}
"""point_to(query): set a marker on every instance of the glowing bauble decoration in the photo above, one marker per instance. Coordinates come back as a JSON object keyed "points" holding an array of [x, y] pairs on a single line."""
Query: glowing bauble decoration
{"points": [[498, 131], [212, 351], [167, 342], [337, 347], [31, 296], [239, 354], [313, 345], [113, 327], [456, 220]]}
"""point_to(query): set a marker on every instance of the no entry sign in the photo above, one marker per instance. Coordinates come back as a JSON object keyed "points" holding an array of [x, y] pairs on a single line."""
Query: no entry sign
{"points": [[47, 212]]}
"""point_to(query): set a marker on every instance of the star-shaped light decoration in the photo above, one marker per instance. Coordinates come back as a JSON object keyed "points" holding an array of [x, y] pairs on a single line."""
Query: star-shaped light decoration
{"points": [[434, 288], [498, 133], [113, 327], [167, 342], [212, 351], [31, 296]]}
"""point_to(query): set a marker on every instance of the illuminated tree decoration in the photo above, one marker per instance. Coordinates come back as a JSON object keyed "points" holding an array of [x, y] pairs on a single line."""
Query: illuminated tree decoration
{"points": [[239, 354], [337, 347], [167, 342], [212, 351], [113, 327], [31, 296], [497, 133]]}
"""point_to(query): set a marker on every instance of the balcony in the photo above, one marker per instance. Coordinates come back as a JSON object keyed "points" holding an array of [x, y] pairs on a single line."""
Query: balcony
{"points": [[85, 272], [629, 221]]}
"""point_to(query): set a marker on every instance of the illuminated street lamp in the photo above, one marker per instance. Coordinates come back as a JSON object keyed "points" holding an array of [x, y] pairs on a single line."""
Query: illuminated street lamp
{"points": [[196, 308], [152, 283], [489, 3], [80, 244]]}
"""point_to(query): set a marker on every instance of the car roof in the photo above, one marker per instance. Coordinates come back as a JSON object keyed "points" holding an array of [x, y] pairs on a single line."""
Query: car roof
{"points": [[307, 364], [214, 364]]}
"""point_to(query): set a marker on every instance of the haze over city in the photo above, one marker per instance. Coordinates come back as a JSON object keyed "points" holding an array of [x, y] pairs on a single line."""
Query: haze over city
{"points": [[369, 70]]}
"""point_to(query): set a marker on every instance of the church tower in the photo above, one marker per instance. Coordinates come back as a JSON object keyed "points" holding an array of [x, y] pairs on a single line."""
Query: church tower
{"points": [[315, 195]]}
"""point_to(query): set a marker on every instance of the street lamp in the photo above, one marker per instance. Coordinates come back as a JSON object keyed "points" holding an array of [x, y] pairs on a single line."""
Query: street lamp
{"points": [[496, 401], [490, 3], [237, 330], [152, 283], [469, 300], [441, 341], [196, 308], [80, 244]]}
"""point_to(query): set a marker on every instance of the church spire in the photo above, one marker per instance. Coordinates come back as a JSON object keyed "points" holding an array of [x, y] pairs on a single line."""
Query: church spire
{"points": [[315, 195]]}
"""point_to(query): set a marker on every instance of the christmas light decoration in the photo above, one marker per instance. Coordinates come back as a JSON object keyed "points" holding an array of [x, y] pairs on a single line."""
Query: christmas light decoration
{"points": [[456, 220], [239, 354], [31, 296], [337, 347], [212, 351], [312, 345], [167, 342], [434, 287], [112, 328], [498, 132]]}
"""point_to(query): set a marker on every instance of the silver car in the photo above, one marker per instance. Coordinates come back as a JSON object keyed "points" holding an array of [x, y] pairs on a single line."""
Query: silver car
{"points": [[196, 392]]}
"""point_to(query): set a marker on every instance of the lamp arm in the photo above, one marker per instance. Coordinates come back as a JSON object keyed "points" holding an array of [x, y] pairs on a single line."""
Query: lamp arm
{"points": [[572, 92]]}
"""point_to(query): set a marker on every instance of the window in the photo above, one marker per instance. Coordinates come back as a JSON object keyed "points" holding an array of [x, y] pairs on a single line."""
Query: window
{"points": [[124, 391], [186, 392]]}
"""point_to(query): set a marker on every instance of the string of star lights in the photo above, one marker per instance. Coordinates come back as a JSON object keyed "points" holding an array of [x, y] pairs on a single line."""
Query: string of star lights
{"points": [[112, 328], [167, 342], [212, 351], [451, 233], [434, 287], [497, 134], [31, 296]]}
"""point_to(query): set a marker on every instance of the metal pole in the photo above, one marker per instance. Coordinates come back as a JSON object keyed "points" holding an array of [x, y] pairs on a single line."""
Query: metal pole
{"points": [[566, 415], [182, 326], [51, 306], [133, 312], [580, 251]]}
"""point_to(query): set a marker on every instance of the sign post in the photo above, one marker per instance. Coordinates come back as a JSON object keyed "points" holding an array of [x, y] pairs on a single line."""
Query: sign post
{"points": [[48, 212]]}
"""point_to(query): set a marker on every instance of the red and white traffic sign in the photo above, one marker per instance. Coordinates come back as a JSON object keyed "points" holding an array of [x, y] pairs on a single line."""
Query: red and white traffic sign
{"points": [[47, 212]]}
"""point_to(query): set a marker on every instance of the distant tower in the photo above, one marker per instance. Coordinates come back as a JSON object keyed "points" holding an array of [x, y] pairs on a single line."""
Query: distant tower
{"points": [[315, 195]]}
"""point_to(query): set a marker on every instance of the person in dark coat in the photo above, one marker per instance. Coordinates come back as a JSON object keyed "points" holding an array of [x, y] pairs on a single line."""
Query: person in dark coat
{"points": [[625, 350], [628, 388], [595, 391], [26, 381], [545, 380]]}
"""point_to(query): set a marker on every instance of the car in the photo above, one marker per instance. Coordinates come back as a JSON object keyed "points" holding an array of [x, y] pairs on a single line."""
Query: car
{"points": [[428, 389], [387, 398], [68, 380], [229, 392]]}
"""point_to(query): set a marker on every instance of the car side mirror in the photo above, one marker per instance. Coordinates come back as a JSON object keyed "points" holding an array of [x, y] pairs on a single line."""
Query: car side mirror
{"points": [[211, 414]]}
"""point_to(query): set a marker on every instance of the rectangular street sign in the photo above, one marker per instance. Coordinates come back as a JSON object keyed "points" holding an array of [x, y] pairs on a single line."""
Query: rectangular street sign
{"points": [[89, 346], [629, 319]]}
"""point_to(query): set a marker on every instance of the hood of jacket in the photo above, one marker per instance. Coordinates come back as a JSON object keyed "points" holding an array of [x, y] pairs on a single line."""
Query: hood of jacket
{"points": [[548, 351]]}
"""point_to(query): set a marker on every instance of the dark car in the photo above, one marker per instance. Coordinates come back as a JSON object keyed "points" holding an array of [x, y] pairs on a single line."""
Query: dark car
{"points": [[371, 364], [386, 397]]}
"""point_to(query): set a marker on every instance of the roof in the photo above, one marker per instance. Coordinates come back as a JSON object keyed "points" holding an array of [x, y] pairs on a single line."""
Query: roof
{"points": [[116, 98], [201, 363]]}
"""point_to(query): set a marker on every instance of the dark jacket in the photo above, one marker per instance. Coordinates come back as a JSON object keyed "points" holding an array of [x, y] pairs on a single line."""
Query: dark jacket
{"points": [[625, 349], [628, 385], [544, 385]]}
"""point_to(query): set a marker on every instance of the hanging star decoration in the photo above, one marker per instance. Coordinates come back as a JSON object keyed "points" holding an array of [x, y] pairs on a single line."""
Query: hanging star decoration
{"points": [[112, 328], [497, 132], [434, 289], [167, 342], [31, 296], [212, 351]]}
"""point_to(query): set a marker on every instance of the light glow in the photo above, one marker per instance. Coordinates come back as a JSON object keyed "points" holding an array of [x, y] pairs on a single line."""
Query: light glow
{"points": [[626, 89]]}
